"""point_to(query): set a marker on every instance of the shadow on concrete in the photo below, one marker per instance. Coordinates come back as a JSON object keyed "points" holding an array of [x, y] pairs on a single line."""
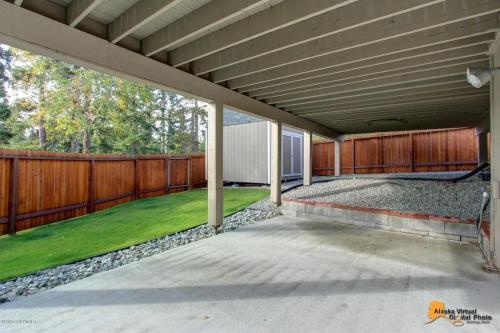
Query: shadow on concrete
{"points": [[230, 292], [447, 257]]}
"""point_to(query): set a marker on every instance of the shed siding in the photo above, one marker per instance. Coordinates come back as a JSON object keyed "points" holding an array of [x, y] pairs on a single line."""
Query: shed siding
{"points": [[246, 153]]}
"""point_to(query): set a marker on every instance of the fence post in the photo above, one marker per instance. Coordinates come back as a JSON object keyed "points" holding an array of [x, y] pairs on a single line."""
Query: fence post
{"points": [[412, 155], [190, 162], [91, 186], [136, 179], [13, 194], [353, 155], [167, 175]]}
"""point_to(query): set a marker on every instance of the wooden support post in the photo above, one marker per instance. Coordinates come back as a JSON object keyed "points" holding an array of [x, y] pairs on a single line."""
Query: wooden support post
{"points": [[215, 164], [337, 166], [91, 187], [308, 158], [276, 160], [13, 194], [493, 254]]}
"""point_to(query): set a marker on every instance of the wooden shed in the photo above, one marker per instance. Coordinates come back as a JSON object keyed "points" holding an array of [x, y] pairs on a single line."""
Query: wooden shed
{"points": [[247, 150]]}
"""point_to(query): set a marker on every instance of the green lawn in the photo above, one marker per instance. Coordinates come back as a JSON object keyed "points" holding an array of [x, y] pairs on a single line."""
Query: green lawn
{"points": [[117, 227]]}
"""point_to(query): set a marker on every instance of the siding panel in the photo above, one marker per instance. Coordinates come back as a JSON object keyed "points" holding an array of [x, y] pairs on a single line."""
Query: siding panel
{"points": [[245, 153]]}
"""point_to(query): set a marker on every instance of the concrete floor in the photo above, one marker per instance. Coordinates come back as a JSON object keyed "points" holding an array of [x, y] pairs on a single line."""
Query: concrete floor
{"points": [[285, 275]]}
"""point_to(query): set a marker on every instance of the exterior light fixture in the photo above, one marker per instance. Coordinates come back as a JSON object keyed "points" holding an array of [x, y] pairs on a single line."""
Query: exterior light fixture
{"points": [[478, 77]]}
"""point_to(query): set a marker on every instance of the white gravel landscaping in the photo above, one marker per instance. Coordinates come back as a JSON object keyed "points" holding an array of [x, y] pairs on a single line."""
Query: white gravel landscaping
{"points": [[50, 278], [461, 199]]}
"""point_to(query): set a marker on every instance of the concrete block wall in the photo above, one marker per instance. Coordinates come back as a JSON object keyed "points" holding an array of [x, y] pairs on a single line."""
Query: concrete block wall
{"points": [[417, 224]]}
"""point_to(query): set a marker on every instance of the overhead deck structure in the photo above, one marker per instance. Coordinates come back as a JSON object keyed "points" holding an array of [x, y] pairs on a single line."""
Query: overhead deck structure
{"points": [[329, 67]]}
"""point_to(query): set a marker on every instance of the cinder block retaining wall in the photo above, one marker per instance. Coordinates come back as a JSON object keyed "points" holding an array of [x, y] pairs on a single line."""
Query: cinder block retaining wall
{"points": [[445, 227]]}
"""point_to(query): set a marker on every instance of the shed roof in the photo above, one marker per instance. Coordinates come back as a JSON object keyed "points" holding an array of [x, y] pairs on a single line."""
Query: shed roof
{"points": [[236, 118]]}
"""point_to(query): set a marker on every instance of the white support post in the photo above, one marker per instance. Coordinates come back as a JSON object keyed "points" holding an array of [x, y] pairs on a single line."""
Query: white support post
{"points": [[337, 159], [215, 166], [495, 160], [308, 158], [276, 162]]}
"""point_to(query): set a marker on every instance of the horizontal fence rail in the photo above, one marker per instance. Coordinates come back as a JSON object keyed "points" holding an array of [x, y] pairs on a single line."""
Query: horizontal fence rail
{"points": [[422, 151], [38, 188]]}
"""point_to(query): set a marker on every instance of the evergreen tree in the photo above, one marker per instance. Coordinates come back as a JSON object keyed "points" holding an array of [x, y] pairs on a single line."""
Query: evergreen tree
{"points": [[63, 107], [5, 59]]}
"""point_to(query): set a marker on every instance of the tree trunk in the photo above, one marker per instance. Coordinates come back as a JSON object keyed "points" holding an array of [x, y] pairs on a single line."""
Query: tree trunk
{"points": [[86, 141], [194, 128], [75, 145], [42, 135], [163, 122]]}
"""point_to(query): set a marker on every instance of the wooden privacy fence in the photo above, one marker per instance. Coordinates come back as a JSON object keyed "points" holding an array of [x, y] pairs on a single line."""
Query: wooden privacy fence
{"points": [[436, 150], [38, 188]]}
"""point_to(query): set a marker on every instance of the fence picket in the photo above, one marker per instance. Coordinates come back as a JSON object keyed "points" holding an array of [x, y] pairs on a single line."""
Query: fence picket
{"points": [[400, 152], [56, 186]]}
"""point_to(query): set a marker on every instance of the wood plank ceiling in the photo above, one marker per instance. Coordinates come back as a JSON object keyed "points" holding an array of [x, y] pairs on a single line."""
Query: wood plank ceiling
{"points": [[352, 65]]}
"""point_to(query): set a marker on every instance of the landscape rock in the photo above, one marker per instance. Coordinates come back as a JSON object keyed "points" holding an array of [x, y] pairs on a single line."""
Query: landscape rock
{"points": [[50, 278]]}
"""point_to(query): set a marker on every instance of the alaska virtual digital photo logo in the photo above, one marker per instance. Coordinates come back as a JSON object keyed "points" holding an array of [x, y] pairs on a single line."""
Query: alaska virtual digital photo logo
{"points": [[456, 316]]}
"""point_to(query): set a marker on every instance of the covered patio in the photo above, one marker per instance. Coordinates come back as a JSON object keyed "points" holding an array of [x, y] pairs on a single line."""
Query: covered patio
{"points": [[328, 68], [287, 274]]}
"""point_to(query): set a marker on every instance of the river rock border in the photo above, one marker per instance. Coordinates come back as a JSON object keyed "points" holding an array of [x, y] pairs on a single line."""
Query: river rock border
{"points": [[52, 277]]}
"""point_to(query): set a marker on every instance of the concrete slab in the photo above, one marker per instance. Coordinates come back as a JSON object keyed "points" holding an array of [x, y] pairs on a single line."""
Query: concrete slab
{"points": [[285, 275]]}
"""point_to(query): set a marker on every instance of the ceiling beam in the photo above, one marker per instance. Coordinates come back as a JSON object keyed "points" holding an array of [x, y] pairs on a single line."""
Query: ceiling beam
{"points": [[136, 16], [400, 25], [83, 49], [463, 118], [353, 98], [382, 82], [452, 101], [383, 62], [444, 59], [405, 86], [424, 42], [340, 20], [420, 93], [78, 9], [206, 17], [428, 111], [277, 17], [431, 113], [414, 97]]}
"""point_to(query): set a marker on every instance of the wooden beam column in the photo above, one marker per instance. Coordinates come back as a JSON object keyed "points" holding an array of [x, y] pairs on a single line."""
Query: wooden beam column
{"points": [[308, 158], [337, 159], [215, 164], [276, 146], [494, 255]]}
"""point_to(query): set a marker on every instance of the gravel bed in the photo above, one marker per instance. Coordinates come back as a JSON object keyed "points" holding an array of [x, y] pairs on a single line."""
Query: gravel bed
{"points": [[462, 199], [421, 175], [50, 278]]}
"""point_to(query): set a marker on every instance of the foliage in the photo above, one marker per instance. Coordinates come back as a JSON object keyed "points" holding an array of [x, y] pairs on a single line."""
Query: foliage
{"points": [[111, 229], [5, 60], [62, 107]]}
